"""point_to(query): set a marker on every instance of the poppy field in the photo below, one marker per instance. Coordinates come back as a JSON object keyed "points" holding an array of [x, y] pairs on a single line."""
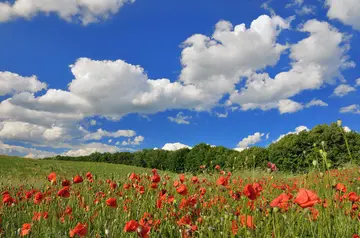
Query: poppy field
{"points": [[152, 203]]}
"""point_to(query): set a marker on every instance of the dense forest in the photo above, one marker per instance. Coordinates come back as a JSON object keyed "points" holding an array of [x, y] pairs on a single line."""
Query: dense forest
{"points": [[293, 153]]}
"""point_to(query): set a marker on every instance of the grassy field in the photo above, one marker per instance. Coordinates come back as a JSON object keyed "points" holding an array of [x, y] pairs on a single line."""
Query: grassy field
{"points": [[123, 201], [16, 171]]}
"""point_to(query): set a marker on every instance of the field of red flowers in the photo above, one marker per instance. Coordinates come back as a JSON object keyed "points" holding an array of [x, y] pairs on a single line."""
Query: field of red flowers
{"points": [[209, 205]]}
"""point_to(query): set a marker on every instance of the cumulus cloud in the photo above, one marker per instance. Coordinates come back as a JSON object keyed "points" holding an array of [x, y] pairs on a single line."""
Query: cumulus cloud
{"points": [[317, 60], [354, 109], [181, 119], [347, 11], [87, 149], [250, 140], [175, 146], [343, 90], [12, 83], [136, 141], [296, 131], [23, 151], [100, 133], [358, 82], [316, 102], [347, 129], [289, 106], [84, 11]]}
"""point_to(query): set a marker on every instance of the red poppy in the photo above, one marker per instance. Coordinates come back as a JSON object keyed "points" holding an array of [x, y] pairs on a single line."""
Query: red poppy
{"points": [[65, 183], [153, 185], [353, 196], [25, 230], [217, 167], [7, 199], [202, 191], [250, 192], [52, 177], [195, 179], [281, 201], [126, 186], [131, 226], [68, 210], [247, 220], [77, 179], [234, 227], [155, 178], [38, 197], [222, 181], [182, 189], [64, 192], [113, 185], [80, 230], [306, 198], [176, 183], [182, 178], [143, 231], [111, 202], [185, 220], [340, 187]]}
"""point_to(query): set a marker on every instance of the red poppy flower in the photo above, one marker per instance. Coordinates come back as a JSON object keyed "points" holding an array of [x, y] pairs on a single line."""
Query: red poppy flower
{"points": [[247, 220], [155, 178], [234, 227], [222, 181], [7, 199], [64, 192], [195, 179], [77, 179], [111, 202], [38, 197], [217, 167], [182, 178], [131, 226], [306, 198], [353, 196], [176, 183], [202, 191], [68, 210], [250, 192], [113, 185], [182, 189], [153, 185], [52, 177], [185, 220], [25, 230], [281, 201], [143, 231], [80, 230], [340, 187], [126, 186], [65, 183]]}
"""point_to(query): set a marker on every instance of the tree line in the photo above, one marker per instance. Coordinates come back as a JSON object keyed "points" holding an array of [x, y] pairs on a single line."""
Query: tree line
{"points": [[292, 153]]}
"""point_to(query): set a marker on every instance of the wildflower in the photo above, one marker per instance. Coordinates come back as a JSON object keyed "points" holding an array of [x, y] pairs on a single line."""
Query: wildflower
{"points": [[77, 179], [217, 167], [182, 189], [306, 198], [38, 197], [65, 183], [340, 187], [25, 230], [281, 201], [234, 227], [111, 202], [248, 221], [131, 226], [52, 177], [222, 181], [80, 230], [64, 192]]}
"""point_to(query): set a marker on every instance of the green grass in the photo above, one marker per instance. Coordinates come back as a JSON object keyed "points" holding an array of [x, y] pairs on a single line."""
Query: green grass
{"points": [[15, 170]]}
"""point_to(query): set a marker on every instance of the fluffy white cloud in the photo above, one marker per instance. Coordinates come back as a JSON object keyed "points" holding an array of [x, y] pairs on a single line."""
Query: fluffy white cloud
{"points": [[358, 82], [347, 11], [215, 64], [175, 146], [317, 59], [88, 149], [347, 129], [316, 102], [181, 119], [297, 131], [306, 10], [250, 140], [343, 90], [136, 141], [354, 108], [12, 83], [93, 122], [85, 11], [100, 133], [23, 151], [289, 106], [221, 115]]}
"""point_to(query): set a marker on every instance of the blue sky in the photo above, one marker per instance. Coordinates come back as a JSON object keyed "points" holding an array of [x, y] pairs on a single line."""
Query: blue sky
{"points": [[121, 75]]}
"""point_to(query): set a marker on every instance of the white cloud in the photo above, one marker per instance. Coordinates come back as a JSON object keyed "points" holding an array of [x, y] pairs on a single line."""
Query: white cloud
{"points": [[317, 59], [181, 119], [93, 122], [215, 64], [250, 140], [175, 146], [85, 11], [358, 82], [110, 140], [355, 109], [306, 10], [294, 3], [221, 115], [136, 141], [316, 102], [289, 106], [297, 131], [100, 133], [88, 149], [13, 83], [23, 151], [347, 129], [343, 90], [347, 11]]}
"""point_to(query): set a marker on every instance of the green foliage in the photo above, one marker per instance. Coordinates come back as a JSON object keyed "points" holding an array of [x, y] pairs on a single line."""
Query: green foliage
{"points": [[293, 153]]}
